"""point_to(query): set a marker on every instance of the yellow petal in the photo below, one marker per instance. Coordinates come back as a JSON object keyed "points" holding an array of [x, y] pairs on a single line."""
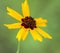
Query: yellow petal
{"points": [[25, 9], [44, 34], [25, 34], [20, 33], [13, 26], [41, 22], [14, 14], [35, 35]]}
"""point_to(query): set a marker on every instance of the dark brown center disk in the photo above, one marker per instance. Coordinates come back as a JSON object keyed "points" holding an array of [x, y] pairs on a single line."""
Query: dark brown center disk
{"points": [[28, 22]]}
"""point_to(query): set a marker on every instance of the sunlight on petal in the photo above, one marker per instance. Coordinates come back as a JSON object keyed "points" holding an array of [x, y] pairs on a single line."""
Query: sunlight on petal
{"points": [[13, 26], [14, 14], [20, 33], [44, 34], [35, 35], [25, 34], [25, 9], [41, 22]]}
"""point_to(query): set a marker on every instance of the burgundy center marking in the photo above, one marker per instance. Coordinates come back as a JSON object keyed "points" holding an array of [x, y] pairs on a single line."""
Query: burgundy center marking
{"points": [[28, 22]]}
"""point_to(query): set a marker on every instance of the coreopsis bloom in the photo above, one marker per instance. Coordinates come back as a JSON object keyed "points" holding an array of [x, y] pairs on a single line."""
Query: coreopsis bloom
{"points": [[27, 24]]}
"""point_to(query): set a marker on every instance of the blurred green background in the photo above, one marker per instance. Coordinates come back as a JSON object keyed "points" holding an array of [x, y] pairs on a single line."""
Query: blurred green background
{"points": [[48, 9]]}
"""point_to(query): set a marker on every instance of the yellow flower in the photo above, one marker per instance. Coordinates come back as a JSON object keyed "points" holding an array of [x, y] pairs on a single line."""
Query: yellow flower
{"points": [[27, 24]]}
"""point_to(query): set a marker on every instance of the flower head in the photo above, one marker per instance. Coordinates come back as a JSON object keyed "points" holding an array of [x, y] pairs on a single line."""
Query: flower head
{"points": [[27, 24]]}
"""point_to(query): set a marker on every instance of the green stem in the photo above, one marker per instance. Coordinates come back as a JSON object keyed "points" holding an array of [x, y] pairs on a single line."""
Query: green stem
{"points": [[18, 47]]}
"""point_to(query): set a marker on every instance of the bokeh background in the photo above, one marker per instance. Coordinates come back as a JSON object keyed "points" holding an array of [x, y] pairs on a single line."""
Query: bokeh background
{"points": [[48, 9]]}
